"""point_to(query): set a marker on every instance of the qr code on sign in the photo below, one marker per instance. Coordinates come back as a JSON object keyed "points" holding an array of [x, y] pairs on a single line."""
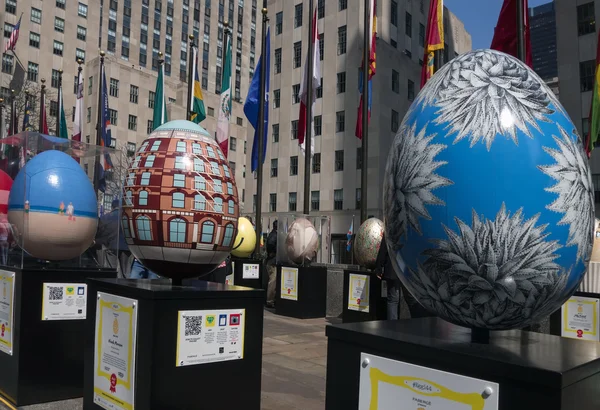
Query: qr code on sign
{"points": [[56, 292], [193, 325]]}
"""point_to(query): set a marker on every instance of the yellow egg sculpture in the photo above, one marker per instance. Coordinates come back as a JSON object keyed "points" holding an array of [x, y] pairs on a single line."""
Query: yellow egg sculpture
{"points": [[245, 241]]}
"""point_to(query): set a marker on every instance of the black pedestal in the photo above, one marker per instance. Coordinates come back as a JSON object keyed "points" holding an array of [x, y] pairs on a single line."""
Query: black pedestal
{"points": [[159, 383], [533, 370], [244, 273], [310, 293], [372, 308], [47, 360]]}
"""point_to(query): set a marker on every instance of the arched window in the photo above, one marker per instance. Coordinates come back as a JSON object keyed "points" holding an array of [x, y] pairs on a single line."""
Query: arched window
{"points": [[228, 237], [217, 186], [198, 165], [128, 198], [125, 226], [180, 162], [218, 204], [231, 207], [155, 145], [197, 148], [178, 200], [181, 146], [149, 161], [144, 229], [199, 202], [136, 162], [200, 183], [143, 198], [211, 151], [230, 188], [221, 155], [145, 178], [226, 170], [214, 167], [177, 228], [208, 232]]}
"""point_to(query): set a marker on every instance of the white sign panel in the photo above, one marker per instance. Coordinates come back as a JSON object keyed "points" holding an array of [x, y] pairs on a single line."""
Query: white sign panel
{"points": [[7, 299], [579, 318], [207, 336], [392, 385], [289, 283], [64, 301], [358, 293], [250, 270], [114, 352]]}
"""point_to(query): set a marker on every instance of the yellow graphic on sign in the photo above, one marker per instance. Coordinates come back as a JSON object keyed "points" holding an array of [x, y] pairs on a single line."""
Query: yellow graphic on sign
{"points": [[116, 326], [210, 320], [70, 290]]}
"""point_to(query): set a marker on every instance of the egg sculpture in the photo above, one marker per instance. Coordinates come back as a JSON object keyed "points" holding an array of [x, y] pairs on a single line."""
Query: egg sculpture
{"points": [[302, 241], [488, 197], [180, 207], [5, 186], [53, 207], [367, 242], [245, 241]]}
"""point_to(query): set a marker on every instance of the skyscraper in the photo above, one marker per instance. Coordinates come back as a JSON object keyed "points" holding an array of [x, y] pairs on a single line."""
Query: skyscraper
{"points": [[542, 20]]}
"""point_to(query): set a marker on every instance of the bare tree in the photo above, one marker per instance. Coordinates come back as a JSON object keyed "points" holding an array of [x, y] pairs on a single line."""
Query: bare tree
{"points": [[34, 90]]}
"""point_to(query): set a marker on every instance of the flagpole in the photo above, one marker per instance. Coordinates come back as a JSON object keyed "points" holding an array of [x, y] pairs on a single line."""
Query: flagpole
{"points": [[99, 119], [42, 106], [309, 107], [60, 73], [13, 109], [261, 126], [521, 30], [365, 113], [191, 68], [26, 106]]}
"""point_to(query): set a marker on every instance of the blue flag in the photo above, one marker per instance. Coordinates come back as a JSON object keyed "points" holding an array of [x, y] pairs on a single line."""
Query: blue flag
{"points": [[253, 100]]}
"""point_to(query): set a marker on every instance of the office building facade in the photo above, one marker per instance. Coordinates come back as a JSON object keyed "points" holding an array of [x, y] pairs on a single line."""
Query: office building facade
{"points": [[542, 21]]}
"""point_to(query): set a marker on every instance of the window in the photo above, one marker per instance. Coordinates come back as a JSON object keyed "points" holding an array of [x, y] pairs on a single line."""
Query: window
{"points": [[133, 94], [114, 88], [178, 200], [177, 230], [199, 202], [341, 47], [411, 90], [58, 48], [89, 114], [211, 151], [132, 123], [274, 167], [273, 203], [181, 146], [32, 71], [316, 163], [239, 121], [295, 93], [294, 165], [198, 165], [232, 143], [422, 6], [343, 5], [277, 61], [408, 25], [90, 85], [180, 162], [395, 81], [125, 226], [292, 201], [275, 133], [34, 40], [179, 180], [11, 6], [395, 120], [394, 13], [53, 108], [218, 204], [320, 89], [214, 168], [276, 98], [55, 79], [200, 183], [151, 98], [82, 10], [421, 35], [229, 188], [113, 115], [81, 33], [318, 125], [149, 163], [128, 200], [586, 19], [149, 126], [586, 75], [143, 198], [228, 237], [208, 231], [358, 158], [298, 16], [339, 160], [217, 186], [315, 199], [357, 205], [36, 15], [340, 121], [80, 54], [278, 23], [8, 29], [155, 145], [144, 230], [59, 25], [338, 199], [294, 129], [197, 149], [341, 82], [321, 9], [7, 63], [297, 54], [321, 46]]}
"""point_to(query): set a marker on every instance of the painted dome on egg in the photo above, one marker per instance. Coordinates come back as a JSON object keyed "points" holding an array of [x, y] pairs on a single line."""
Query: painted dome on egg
{"points": [[489, 203], [180, 207]]}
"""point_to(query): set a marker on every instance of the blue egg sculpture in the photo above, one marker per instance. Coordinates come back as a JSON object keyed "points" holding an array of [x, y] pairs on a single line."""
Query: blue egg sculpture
{"points": [[53, 208], [488, 197]]}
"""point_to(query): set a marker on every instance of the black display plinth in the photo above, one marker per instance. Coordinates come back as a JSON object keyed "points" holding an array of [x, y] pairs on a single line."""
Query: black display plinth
{"points": [[374, 308], [533, 370], [310, 292], [47, 360], [159, 383], [243, 273]]}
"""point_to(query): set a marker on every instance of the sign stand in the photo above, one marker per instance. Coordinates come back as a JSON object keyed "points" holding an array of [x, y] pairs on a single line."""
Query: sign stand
{"points": [[365, 297], [301, 291]]}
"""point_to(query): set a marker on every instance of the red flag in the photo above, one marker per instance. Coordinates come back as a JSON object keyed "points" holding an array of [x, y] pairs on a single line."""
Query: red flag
{"points": [[434, 39], [505, 34], [44, 129], [372, 68]]}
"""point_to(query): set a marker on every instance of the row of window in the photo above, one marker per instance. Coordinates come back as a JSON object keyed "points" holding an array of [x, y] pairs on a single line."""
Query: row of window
{"points": [[298, 13], [178, 201], [315, 200], [36, 14], [316, 163], [177, 230]]}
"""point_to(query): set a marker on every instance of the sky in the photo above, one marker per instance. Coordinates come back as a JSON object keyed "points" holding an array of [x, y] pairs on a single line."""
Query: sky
{"points": [[480, 17]]}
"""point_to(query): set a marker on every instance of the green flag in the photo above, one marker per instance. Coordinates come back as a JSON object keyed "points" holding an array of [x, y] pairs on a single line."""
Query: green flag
{"points": [[225, 103], [62, 132], [160, 103], [198, 110]]}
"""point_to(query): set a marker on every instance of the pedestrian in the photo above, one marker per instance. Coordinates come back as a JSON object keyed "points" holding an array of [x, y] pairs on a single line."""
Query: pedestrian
{"points": [[272, 265], [111, 239]]}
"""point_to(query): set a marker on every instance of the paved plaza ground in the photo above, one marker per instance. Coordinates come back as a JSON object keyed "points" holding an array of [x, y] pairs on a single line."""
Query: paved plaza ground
{"points": [[294, 366]]}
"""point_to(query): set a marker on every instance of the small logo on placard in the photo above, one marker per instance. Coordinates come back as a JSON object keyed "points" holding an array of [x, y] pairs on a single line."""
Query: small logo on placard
{"points": [[116, 326], [81, 291], [579, 332], [3, 328], [210, 320], [358, 301], [579, 309], [113, 383], [234, 319], [70, 290]]}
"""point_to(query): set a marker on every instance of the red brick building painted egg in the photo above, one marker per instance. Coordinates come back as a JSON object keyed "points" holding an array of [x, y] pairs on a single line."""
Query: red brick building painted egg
{"points": [[180, 205]]}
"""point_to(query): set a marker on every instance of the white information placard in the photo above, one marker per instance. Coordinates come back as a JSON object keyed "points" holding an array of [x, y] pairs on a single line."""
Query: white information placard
{"points": [[207, 336], [7, 300], [250, 270], [392, 385], [579, 318], [64, 301], [358, 293], [289, 283], [114, 352]]}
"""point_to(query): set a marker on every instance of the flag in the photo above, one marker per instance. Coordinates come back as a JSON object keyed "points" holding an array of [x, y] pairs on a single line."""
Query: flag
{"points": [[225, 103], [252, 103], [43, 118], [14, 36], [26, 115], [304, 84], [349, 236], [594, 118], [160, 103], [62, 131], [434, 39], [78, 110], [505, 34], [18, 79], [105, 162], [197, 103], [372, 67]]}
